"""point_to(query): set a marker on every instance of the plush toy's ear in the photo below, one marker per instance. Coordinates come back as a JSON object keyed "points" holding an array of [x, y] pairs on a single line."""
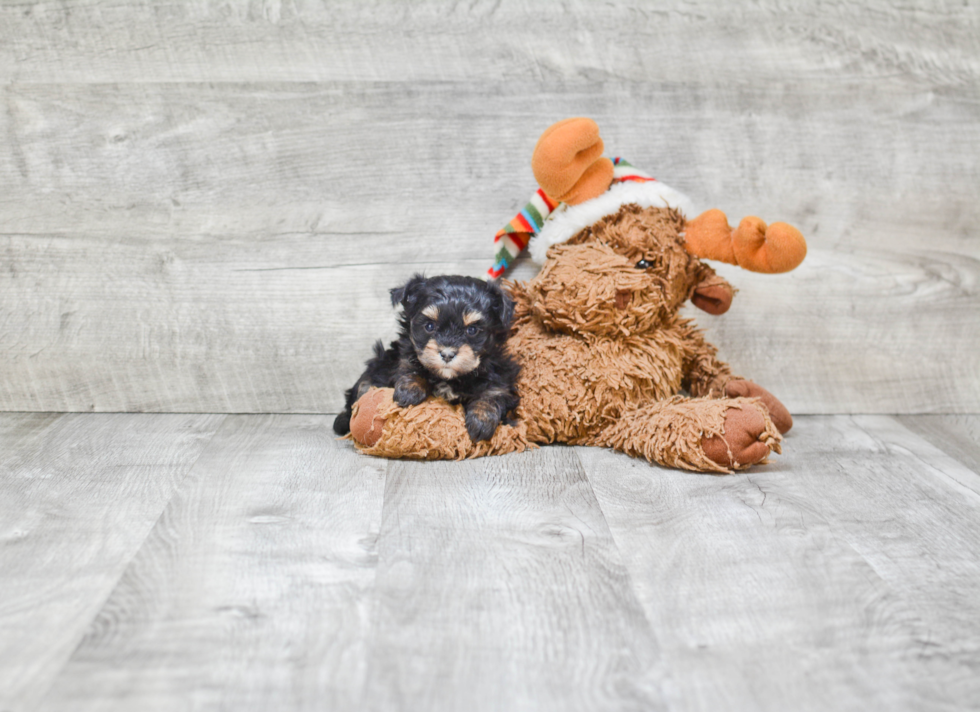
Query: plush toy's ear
{"points": [[713, 295], [407, 294], [503, 305]]}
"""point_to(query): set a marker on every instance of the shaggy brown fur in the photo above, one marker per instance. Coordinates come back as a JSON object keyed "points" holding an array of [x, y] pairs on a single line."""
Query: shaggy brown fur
{"points": [[604, 356]]}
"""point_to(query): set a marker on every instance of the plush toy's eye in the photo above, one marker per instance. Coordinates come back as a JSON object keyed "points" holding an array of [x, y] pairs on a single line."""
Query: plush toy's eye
{"points": [[471, 330], [430, 326], [642, 264]]}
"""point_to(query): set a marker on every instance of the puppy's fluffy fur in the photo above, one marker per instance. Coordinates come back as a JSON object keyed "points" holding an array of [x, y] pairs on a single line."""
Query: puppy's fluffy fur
{"points": [[451, 344]]}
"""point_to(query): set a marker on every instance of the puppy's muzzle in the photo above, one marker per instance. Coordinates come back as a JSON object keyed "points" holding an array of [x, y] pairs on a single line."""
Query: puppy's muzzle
{"points": [[448, 361]]}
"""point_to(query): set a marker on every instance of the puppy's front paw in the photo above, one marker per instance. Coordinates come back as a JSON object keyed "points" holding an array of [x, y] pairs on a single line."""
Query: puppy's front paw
{"points": [[482, 419], [409, 390]]}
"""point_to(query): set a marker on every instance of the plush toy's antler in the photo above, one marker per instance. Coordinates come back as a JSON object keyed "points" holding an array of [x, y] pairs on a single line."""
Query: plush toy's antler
{"points": [[752, 245], [569, 166], [568, 162]]}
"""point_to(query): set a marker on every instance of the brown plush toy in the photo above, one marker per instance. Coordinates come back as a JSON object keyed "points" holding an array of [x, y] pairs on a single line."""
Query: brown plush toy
{"points": [[605, 355]]}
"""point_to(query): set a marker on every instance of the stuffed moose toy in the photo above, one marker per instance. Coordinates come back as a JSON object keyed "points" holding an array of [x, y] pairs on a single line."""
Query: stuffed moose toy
{"points": [[604, 354]]}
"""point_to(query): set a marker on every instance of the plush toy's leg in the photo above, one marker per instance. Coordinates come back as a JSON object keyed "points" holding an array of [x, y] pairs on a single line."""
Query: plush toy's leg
{"points": [[702, 434], [431, 430]]}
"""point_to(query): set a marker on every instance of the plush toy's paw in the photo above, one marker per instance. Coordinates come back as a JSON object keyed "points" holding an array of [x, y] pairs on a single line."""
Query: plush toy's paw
{"points": [[410, 390], [366, 424], [777, 411], [743, 442], [482, 420]]}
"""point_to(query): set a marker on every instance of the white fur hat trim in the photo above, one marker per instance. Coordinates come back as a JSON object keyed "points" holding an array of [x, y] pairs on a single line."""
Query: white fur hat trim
{"points": [[564, 223]]}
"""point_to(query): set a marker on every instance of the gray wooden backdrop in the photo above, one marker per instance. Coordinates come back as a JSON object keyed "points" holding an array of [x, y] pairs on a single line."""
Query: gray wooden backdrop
{"points": [[203, 205]]}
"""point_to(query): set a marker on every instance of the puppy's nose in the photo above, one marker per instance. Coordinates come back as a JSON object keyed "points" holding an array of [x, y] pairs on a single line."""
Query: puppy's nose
{"points": [[448, 354]]}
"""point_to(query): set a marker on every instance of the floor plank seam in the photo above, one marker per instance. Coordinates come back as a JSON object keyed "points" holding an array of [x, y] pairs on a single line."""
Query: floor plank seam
{"points": [[634, 589], [375, 603], [122, 572], [970, 486]]}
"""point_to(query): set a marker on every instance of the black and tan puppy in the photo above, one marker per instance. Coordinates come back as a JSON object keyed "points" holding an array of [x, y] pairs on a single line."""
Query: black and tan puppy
{"points": [[451, 345]]}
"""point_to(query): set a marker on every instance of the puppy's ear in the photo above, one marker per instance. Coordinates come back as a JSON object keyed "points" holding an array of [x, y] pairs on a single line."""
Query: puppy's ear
{"points": [[409, 293], [503, 305]]}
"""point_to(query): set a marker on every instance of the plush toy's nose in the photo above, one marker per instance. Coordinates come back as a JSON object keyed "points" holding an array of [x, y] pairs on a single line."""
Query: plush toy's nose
{"points": [[448, 354], [623, 298]]}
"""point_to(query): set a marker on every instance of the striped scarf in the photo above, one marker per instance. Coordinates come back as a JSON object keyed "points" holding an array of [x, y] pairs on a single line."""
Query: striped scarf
{"points": [[511, 240]]}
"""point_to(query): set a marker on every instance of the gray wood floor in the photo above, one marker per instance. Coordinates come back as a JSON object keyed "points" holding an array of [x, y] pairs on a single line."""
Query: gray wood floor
{"points": [[240, 562]]}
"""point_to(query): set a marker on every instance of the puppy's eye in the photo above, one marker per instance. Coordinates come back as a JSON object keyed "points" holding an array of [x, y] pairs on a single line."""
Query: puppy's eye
{"points": [[643, 264], [430, 326], [471, 330]]}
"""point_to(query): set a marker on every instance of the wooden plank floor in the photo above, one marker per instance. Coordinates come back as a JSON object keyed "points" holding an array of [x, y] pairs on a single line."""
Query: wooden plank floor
{"points": [[194, 562]]}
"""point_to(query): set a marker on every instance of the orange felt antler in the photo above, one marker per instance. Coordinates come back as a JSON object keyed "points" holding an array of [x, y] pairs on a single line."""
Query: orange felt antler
{"points": [[569, 167], [568, 162], [752, 245]]}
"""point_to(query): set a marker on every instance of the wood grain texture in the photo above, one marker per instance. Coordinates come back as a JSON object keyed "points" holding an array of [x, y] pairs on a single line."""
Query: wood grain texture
{"points": [[841, 576], [355, 40], [849, 161], [252, 591], [78, 495], [499, 588], [173, 562], [228, 247], [858, 331]]}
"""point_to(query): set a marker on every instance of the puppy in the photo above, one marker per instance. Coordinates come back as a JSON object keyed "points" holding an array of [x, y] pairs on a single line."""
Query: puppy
{"points": [[451, 344]]}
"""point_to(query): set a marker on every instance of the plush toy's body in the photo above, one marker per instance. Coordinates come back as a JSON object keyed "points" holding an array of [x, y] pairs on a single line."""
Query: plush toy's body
{"points": [[605, 355]]}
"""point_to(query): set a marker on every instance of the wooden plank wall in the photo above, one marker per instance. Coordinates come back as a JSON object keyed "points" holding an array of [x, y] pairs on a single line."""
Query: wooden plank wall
{"points": [[203, 205]]}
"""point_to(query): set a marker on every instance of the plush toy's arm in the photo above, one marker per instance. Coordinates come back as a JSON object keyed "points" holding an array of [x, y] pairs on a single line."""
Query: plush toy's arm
{"points": [[707, 376], [431, 430], [704, 374]]}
